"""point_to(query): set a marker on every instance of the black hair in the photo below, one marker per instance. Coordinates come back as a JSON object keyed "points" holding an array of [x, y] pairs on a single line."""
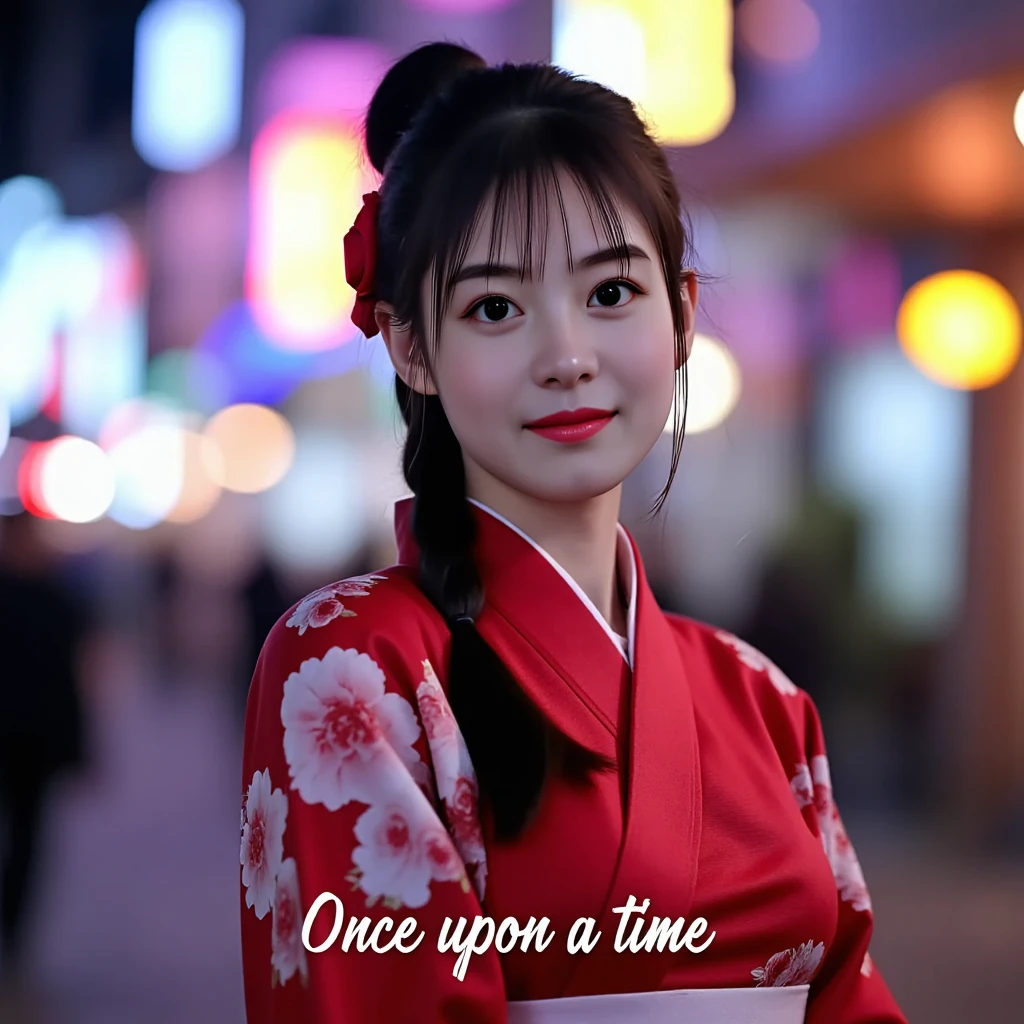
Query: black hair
{"points": [[447, 132]]}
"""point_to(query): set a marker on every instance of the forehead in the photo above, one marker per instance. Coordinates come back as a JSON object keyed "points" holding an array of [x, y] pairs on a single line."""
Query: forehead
{"points": [[521, 222]]}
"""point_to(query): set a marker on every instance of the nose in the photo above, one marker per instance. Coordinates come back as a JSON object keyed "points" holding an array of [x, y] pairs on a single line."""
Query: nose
{"points": [[565, 357]]}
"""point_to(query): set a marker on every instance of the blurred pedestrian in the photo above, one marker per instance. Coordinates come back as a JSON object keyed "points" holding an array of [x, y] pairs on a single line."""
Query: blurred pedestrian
{"points": [[41, 731]]}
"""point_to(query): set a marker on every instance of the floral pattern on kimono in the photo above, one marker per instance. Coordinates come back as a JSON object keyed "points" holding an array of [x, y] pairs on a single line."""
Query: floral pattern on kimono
{"points": [[324, 605], [791, 966], [456, 779], [753, 658], [347, 739], [812, 786]]}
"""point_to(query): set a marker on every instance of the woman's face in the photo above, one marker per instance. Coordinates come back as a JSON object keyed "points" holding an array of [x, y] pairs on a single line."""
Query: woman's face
{"points": [[511, 353]]}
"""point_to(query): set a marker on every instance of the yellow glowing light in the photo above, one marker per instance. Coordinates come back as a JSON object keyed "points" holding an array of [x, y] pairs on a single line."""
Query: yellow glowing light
{"points": [[713, 385], [256, 444], [671, 57], [200, 491], [306, 189], [76, 480], [961, 328], [1018, 118]]}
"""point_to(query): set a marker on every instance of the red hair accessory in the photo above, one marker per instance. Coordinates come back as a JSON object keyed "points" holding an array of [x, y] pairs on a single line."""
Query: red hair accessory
{"points": [[360, 244]]}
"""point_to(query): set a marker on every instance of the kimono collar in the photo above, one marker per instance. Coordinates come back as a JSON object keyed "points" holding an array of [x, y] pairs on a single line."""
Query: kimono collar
{"points": [[494, 553]]}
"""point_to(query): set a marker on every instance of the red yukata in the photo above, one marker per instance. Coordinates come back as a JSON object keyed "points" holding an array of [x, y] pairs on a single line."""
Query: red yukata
{"points": [[357, 782]]}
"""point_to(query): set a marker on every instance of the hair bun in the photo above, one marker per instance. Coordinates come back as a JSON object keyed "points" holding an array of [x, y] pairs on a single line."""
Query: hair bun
{"points": [[406, 88]]}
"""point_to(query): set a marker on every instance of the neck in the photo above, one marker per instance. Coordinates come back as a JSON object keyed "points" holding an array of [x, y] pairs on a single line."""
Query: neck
{"points": [[581, 536]]}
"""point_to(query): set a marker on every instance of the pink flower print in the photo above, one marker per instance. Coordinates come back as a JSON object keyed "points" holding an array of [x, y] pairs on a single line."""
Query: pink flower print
{"points": [[802, 786], [356, 586], [392, 855], [463, 815], [262, 842], [791, 966], [753, 658], [867, 966], [345, 738], [438, 720], [288, 955], [440, 855], [324, 605], [840, 852]]}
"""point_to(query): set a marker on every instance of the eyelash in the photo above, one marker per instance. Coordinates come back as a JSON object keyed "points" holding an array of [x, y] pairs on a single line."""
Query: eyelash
{"points": [[628, 285]]}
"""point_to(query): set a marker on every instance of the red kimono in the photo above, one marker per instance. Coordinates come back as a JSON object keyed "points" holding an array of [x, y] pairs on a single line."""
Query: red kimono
{"points": [[359, 798]]}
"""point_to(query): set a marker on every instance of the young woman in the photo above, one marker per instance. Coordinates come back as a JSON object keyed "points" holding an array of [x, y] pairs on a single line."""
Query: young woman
{"points": [[504, 725]]}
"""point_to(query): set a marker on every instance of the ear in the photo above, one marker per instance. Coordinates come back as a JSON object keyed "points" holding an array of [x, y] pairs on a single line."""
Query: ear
{"points": [[688, 291], [399, 343]]}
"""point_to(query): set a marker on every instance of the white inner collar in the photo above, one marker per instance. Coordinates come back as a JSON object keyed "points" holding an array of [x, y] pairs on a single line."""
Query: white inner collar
{"points": [[625, 565]]}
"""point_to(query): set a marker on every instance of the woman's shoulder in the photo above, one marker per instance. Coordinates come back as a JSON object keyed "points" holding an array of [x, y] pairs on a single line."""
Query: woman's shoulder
{"points": [[739, 672], [382, 615]]}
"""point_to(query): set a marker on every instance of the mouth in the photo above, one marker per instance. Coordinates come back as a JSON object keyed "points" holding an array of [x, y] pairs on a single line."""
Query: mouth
{"points": [[572, 426]]}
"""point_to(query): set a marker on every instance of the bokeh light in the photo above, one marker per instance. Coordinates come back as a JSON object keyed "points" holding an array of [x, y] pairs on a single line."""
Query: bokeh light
{"points": [[713, 386], [315, 516], [459, 6], [76, 480], [673, 60], [148, 468], [24, 202], [778, 31], [961, 328], [5, 425], [964, 159], [200, 491], [30, 491], [257, 446], [307, 186], [187, 101], [1018, 118]]}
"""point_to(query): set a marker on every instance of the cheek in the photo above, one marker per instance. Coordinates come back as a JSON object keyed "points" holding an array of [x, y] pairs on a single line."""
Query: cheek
{"points": [[647, 364], [477, 384]]}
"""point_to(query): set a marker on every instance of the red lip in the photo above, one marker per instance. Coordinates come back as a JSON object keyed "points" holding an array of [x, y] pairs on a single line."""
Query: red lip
{"points": [[569, 416]]}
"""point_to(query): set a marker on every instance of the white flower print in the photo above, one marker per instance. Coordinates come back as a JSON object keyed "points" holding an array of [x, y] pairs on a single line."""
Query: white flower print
{"points": [[453, 771], [402, 848], [791, 966], [814, 786], [753, 658], [288, 955], [324, 605], [262, 842], [867, 966], [841, 855], [802, 786], [345, 738]]}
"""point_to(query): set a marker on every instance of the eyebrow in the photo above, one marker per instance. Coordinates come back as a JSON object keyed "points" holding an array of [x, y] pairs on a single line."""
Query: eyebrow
{"points": [[611, 254]]}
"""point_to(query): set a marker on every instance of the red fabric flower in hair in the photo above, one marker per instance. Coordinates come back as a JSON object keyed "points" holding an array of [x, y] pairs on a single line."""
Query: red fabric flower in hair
{"points": [[361, 263]]}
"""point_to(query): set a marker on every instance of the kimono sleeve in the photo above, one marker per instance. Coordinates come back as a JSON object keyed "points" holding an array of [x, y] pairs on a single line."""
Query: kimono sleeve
{"points": [[346, 742], [848, 988]]}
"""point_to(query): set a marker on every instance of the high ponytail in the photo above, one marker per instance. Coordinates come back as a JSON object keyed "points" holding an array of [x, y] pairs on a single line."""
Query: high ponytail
{"points": [[436, 130]]}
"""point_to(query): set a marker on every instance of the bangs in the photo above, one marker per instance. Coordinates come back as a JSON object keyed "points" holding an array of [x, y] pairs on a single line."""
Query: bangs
{"points": [[507, 173]]}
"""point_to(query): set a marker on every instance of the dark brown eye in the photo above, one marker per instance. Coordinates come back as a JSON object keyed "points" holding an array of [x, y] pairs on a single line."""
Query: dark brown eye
{"points": [[495, 308], [611, 293]]}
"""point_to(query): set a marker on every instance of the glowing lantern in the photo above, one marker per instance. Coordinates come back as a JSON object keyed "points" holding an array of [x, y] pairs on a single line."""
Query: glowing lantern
{"points": [[307, 186], [257, 446], [713, 386], [671, 57], [961, 328]]}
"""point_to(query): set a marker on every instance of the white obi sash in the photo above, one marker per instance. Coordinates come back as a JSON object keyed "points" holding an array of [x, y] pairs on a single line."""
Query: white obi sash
{"points": [[784, 1005]]}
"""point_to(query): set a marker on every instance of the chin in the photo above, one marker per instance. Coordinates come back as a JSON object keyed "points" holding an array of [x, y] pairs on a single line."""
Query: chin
{"points": [[560, 486]]}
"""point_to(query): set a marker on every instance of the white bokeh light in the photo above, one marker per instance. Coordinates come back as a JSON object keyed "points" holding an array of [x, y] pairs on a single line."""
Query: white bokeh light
{"points": [[713, 386], [76, 480], [149, 469]]}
